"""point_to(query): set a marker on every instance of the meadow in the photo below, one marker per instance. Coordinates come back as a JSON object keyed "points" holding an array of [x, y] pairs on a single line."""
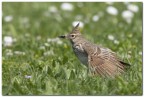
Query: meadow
{"points": [[36, 62]]}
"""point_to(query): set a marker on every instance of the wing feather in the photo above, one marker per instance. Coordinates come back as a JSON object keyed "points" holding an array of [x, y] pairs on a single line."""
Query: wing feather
{"points": [[104, 62]]}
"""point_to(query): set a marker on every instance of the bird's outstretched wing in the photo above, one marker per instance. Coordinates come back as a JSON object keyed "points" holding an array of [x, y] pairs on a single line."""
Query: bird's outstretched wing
{"points": [[104, 62]]}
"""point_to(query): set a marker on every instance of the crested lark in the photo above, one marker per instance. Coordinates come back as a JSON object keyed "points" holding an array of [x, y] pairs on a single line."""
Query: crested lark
{"points": [[100, 61]]}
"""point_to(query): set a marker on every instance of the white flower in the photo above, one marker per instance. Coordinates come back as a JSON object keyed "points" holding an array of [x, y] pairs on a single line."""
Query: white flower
{"points": [[129, 52], [19, 53], [140, 53], [46, 44], [38, 38], [28, 76], [128, 56], [132, 7], [25, 22], [54, 40], [53, 9], [112, 10], [95, 18], [127, 15], [110, 37], [9, 52], [8, 40], [81, 24], [50, 52], [59, 42], [49, 40], [116, 42], [42, 47], [67, 6], [8, 18]]}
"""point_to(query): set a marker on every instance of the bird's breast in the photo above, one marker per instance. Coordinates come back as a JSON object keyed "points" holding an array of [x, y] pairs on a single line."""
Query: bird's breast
{"points": [[81, 54]]}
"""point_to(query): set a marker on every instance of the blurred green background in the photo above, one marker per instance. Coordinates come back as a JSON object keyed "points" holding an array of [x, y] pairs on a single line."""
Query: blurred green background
{"points": [[36, 62]]}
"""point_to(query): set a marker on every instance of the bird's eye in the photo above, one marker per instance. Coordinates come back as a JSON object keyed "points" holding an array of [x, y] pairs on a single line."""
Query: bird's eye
{"points": [[72, 36]]}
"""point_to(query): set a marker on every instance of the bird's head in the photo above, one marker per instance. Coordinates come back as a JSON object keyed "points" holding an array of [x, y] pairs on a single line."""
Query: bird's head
{"points": [[74, 35]]}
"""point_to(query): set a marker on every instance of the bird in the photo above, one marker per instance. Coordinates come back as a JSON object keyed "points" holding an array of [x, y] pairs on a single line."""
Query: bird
{"points": [[99, 60]]}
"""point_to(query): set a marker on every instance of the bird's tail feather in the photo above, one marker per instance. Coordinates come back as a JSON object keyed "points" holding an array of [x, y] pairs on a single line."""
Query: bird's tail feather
{"points": [[126, 64]]}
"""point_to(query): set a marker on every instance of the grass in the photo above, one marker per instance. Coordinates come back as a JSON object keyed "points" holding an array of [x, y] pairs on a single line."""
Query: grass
{"points": [[34, 66]]}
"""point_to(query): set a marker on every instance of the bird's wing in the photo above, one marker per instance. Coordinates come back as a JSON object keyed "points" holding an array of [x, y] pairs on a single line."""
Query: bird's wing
{"points": [[105, 62]]}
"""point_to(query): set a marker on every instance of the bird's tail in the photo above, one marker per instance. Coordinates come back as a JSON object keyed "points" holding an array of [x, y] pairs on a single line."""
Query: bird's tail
{"points": [[126, 65]]}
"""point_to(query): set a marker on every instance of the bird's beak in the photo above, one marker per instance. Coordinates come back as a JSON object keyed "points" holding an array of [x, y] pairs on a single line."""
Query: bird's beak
{"points": [[63, 36]]}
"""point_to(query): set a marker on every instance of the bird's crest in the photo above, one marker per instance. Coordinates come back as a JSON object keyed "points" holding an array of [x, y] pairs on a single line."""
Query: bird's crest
{"points": [[76, 29]]}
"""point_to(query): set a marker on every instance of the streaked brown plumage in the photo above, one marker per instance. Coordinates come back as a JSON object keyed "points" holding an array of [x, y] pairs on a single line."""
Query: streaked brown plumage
{"points": [[101, 61]]}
